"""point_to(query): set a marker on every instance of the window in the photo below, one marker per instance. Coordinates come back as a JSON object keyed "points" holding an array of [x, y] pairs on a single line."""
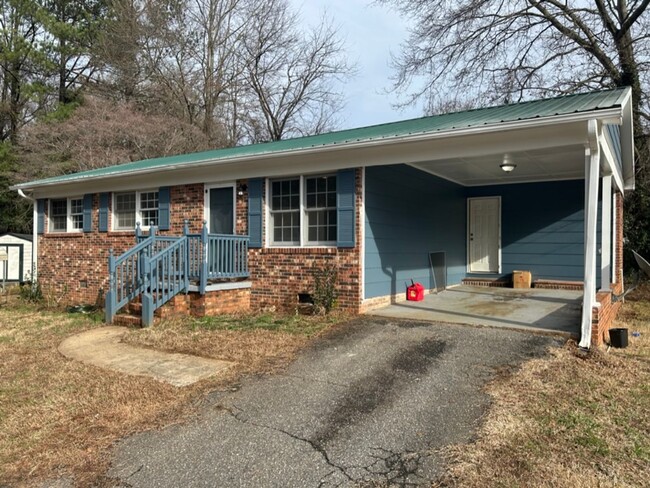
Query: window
{"points": [[149, 208], [124, 211], [285, 211], [59, 215], [302, 210], [66, 215], [77, 214], [132, 207], [320, 209]]}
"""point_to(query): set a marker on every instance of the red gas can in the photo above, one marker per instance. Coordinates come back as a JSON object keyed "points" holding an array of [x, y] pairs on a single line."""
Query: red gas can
{"points": [[415, 292]]}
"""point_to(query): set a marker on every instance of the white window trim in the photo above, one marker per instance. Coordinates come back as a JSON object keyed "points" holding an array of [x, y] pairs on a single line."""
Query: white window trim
{"points": [[138, 212], [206, 202], [302, 212], [68, 225]]}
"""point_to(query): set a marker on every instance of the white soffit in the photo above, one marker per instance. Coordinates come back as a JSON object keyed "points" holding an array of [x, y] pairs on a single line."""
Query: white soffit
{"points": [[561, 163]]}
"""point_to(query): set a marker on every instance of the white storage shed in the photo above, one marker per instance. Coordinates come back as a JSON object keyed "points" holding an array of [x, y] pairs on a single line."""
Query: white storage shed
{"points": [[17, 266]]}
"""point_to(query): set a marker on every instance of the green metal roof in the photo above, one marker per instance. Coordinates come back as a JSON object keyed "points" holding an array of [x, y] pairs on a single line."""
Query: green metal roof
{"points": [[535, 109]]}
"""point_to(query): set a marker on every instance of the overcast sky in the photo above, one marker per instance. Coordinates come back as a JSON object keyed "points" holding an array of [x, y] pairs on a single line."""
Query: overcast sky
{"points": [[370, 32]]}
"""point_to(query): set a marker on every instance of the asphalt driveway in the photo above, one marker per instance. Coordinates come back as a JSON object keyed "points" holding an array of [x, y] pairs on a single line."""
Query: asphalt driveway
{"points": [[374, 402]]}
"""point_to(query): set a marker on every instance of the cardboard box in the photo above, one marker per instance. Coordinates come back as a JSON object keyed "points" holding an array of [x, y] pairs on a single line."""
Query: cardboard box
{"points": [[521, 279]]}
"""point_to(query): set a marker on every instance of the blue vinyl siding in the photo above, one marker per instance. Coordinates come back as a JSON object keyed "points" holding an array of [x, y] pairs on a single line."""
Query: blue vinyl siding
{"points": [[409, 214], [542, 228]]}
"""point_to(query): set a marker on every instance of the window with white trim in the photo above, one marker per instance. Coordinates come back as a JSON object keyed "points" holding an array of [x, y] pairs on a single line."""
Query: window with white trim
{"points": [[136, 206], [149, 208], [66, 215], [77, 214], [302, 211], [320, 209], [285, 212]]}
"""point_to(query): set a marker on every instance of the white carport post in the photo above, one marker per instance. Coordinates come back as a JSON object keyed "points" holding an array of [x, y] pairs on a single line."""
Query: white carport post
{"points": [[606, 233], [592, 170]]}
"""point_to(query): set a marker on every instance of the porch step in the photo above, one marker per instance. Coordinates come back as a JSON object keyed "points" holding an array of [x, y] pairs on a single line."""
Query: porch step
{"points": [[497, 283], [136, 309], [127, 320]]}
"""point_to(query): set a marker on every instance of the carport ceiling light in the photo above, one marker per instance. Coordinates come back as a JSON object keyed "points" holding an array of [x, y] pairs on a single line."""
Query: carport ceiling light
{"points": [[507, 164]]}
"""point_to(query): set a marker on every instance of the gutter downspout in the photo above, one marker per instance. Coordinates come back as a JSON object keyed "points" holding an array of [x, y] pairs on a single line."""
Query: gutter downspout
{"points": [[34, 233], [592, 169]]}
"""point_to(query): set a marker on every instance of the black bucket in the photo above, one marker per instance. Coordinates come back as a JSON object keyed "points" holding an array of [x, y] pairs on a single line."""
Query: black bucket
{"points": [[618, 337]]}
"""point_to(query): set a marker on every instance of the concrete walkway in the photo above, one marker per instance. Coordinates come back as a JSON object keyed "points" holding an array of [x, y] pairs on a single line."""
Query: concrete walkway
{"points": [[102, 348], [534, 310]]}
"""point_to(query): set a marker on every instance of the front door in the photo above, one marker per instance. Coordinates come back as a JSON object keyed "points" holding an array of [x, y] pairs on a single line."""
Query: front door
{"points": [[221, 210], [484, 234]]}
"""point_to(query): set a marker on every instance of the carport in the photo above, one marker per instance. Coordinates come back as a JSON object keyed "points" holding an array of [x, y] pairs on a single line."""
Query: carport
{"points": [[540, 310], [534, 186]]}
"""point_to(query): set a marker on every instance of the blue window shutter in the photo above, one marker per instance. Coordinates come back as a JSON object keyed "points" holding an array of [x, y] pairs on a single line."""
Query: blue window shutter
{"points": [[163, 208], [255, 187], [103, 212], [40, 215], [88, 212], [345, 208]]}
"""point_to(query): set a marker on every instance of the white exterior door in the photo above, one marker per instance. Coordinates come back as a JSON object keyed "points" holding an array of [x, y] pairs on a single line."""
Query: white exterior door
{"points": [[484, 237]]}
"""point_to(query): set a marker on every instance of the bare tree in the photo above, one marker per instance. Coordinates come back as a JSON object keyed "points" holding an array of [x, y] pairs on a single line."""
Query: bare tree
{"points": [[292, 73], [120, 133], [495, 50], [220, 27]]}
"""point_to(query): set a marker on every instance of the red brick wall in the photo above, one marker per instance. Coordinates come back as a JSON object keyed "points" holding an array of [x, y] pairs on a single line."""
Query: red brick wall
{"points": [[186, 203], [212, 303], [278, 275], [603, 315], [74, 267]]}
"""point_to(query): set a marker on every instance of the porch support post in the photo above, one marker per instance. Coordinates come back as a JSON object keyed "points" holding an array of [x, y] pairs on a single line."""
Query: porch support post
{"points": [[592, 169], [606, 232], [34, 274], [614, 239]]}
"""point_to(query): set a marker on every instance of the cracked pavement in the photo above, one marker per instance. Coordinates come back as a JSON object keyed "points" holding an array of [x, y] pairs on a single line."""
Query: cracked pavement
{"points": [[372, 403]]}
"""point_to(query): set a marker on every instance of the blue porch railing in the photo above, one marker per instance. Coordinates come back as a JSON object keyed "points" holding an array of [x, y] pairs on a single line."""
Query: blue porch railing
{"points": [[158, 267]]}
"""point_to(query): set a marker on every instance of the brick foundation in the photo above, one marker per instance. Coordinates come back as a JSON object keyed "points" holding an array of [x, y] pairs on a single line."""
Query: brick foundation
{"points": [[558, 285], [212, 303], [603, 315], [498, 283]]}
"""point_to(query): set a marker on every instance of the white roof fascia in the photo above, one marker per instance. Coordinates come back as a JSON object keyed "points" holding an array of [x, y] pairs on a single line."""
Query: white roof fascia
{"points": [[609, 114], [627, 140]]}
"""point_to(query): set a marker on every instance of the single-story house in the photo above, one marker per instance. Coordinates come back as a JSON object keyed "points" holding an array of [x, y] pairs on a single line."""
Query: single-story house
{"points": [[15, 257], [536, 185]]}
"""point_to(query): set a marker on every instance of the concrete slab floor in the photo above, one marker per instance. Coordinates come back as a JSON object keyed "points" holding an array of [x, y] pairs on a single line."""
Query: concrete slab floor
{"points": [[556, 311], [102, 347]]}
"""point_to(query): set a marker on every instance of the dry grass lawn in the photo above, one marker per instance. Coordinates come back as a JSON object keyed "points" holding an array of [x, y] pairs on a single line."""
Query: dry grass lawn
{"points": [[59, 417], [568, 420]]}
